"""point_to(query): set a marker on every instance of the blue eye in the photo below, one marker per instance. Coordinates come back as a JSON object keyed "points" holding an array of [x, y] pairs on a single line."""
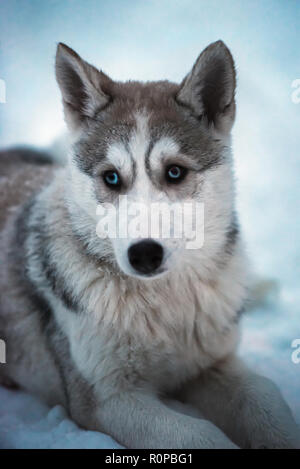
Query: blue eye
{"points": [[112, 179], [175, 174]]}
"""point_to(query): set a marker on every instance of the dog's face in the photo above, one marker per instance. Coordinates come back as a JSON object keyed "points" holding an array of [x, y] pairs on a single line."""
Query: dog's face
{"points": [[144, 151]]}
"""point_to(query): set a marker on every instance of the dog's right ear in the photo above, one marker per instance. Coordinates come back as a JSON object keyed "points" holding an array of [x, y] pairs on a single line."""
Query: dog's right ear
{"points": [[83, 87], [208, 90]]}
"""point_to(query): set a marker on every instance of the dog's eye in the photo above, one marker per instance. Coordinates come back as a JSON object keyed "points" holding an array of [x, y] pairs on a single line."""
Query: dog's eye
{"points": [[175, 174], [112, 179]]}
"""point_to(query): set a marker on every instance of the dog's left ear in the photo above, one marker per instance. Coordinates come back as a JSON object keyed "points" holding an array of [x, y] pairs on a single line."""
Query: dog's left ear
{"points": [[208, 90], [84, 89]]}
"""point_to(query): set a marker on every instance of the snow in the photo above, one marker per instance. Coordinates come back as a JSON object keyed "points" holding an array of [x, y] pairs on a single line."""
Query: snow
{"points": [[26, 423], [266, 346]]}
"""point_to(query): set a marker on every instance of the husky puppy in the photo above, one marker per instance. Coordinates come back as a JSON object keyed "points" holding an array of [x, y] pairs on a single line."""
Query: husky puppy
{"points": [[120, 330]]}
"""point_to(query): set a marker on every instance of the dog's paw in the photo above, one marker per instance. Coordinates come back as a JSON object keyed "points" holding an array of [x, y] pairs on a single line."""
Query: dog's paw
{"points": [[286, 439], [211, 437], [269, 419]]}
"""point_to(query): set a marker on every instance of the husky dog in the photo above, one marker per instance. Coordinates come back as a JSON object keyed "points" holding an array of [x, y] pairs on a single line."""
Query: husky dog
{"points": [[121, 331]]}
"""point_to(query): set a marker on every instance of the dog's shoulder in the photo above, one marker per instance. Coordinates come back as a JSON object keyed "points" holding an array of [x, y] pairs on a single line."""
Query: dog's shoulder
{"points": [[22, 173]]}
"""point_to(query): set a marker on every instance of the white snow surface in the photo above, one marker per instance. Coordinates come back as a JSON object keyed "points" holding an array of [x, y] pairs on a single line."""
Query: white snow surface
{"points": [[26, 423]]}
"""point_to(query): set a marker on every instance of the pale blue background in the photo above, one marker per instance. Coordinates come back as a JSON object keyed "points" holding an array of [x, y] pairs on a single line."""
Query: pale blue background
{"points": [[155, 39]]}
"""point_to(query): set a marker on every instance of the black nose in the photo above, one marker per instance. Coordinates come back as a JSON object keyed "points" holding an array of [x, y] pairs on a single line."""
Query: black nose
{"points": [[145, 256]]}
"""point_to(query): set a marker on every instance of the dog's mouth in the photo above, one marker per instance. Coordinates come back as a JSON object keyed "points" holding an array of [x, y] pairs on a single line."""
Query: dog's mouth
{"points": [[149, 276]]}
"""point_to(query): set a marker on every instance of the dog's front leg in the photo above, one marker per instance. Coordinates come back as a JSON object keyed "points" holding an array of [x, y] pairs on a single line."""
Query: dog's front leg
{"points": [[142, 420], [249, 408]]}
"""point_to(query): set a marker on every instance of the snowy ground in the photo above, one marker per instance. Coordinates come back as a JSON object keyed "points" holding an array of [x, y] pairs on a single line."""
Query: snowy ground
{"points": [[266, 346], [26, 423]]}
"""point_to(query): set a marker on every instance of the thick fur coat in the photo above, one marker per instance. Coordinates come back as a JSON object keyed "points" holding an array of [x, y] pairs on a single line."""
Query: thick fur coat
{"points": [[121, 349]]}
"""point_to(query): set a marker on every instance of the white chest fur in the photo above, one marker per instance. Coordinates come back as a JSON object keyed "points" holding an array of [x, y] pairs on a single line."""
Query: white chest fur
{"points": [[152, 334]]}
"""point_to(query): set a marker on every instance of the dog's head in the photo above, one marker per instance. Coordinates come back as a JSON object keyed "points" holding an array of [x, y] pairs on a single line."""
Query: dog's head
{"points": [[158, 146]]}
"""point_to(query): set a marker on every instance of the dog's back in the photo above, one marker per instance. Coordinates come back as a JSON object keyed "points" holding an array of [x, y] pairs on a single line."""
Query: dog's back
{"points": [[22, 174]]}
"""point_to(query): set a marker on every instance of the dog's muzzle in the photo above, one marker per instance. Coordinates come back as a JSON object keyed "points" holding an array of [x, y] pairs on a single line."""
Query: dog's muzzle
{"points": [[146, 256]]}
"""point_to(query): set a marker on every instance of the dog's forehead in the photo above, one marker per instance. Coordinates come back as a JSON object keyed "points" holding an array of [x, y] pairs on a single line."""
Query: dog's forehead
{"points": [[138, 108], [142, 119], [140, 148], [152, 95], [147, 109]]}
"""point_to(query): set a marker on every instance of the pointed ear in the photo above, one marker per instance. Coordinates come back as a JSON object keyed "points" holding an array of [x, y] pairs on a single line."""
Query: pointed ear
{"points": [[210, 87], [82, 87]]}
